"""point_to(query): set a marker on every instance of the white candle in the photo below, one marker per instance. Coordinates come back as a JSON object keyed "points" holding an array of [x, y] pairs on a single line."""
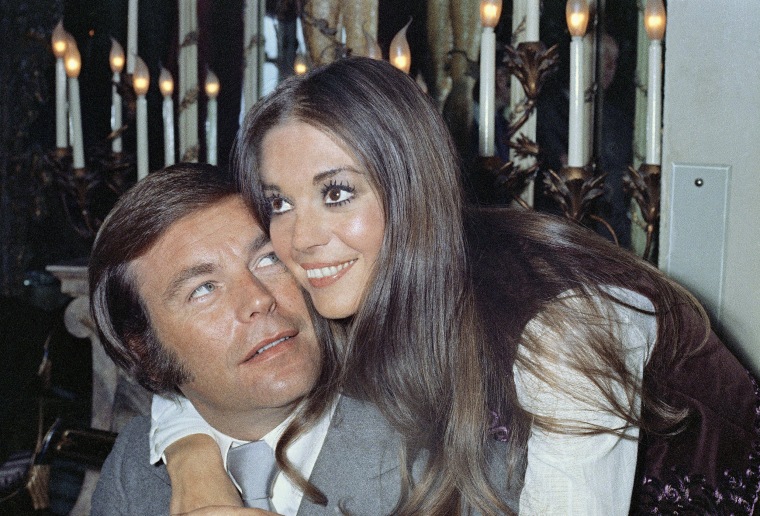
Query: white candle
{"points": [[654, 103], [212, 90], [116, 59], [116, 113], [142, 137], [577, 14], [61, 117], [77, 143], [490, 12], [73, 63], [251, 61], [575, 118], [654, 22], [140, 82], [166, 85], [532, 17], [131, 35], [188, 80], [518, 99], [487, 118]]}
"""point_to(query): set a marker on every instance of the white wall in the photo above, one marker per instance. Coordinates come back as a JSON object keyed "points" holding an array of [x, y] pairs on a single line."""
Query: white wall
{"points": [[712, 117]]}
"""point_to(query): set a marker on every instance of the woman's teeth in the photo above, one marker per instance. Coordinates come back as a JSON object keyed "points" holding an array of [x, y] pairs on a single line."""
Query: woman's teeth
{"points": [[324, 272]]}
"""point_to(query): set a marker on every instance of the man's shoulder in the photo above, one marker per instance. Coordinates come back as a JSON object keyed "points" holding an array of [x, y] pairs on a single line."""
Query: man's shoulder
{"points": [[128, 483], [132, 447]]}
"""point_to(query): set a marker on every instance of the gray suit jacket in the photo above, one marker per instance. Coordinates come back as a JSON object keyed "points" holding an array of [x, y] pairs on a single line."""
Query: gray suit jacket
{"points": [[357, 468]]}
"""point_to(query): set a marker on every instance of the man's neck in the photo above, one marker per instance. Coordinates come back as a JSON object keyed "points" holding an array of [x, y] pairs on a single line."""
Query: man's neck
{"points": [[250, 426]]}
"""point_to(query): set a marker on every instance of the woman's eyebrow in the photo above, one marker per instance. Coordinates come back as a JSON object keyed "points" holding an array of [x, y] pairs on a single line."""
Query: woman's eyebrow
{"points": [[321, 176], [318, 178]]}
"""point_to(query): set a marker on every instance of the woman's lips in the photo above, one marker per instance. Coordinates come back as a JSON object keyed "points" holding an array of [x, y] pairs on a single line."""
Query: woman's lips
{"points": [[321, 276]]}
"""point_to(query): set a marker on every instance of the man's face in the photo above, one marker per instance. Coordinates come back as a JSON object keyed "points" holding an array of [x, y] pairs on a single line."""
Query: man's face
{"points": [[219, 299]]}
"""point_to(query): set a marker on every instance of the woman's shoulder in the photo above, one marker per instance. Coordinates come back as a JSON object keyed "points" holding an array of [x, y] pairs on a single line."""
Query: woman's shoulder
{"points": [[627, 317]]}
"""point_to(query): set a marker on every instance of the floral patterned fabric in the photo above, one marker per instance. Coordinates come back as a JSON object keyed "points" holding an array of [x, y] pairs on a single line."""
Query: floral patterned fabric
{"points": [[711, 466]]}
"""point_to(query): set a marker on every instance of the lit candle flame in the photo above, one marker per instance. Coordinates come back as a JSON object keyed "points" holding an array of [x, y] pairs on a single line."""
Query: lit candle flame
{"points": [[165, 82], [300, 66], [577, 14], [59, 39], [212, 85], [72, 59], [116, 57], [400, 53], [490, 12], [654, 19], [141, 77]]}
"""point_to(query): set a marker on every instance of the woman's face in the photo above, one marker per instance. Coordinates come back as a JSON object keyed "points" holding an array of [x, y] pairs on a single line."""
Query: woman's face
{"points": [[327, 221]]}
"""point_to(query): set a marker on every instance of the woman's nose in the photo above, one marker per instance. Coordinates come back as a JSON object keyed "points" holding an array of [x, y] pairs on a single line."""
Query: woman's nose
{"points": [[308, 231]]}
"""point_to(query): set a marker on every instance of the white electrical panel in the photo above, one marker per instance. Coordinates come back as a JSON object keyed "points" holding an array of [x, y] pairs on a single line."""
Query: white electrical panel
{"points": [[697, 239]]}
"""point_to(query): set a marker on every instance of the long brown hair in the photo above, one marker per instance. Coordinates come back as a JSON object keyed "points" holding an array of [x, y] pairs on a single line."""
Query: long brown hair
{"points": [[435, 339]]}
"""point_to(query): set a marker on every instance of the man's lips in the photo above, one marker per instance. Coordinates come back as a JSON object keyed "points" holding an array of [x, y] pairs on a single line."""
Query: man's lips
{"points": [[270, 343]]}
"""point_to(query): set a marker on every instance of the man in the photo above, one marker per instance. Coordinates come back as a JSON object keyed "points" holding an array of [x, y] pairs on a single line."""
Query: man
{"points": [[189, 298]]}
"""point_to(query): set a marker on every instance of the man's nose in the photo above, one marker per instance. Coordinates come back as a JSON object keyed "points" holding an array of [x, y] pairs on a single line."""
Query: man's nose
{"points": [[254, 297]]}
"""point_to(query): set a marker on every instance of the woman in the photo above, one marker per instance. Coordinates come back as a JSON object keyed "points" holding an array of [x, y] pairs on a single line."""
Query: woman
{"points": [[466, 324]]}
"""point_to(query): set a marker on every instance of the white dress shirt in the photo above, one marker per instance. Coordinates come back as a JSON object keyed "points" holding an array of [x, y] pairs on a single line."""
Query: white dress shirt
{"points": [[173, 420]]}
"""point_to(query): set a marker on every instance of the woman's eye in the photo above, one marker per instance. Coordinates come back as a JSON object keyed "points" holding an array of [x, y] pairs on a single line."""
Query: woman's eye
{"points": [[203, 290], [278, 205], [338, 195]]}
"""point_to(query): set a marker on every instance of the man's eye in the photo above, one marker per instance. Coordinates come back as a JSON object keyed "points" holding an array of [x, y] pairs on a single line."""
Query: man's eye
{"points": [[278, 205], [203, 290], [267, 260]]}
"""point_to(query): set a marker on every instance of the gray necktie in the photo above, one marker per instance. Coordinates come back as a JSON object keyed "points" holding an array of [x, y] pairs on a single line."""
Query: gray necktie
{"points": [[252, 467]]}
